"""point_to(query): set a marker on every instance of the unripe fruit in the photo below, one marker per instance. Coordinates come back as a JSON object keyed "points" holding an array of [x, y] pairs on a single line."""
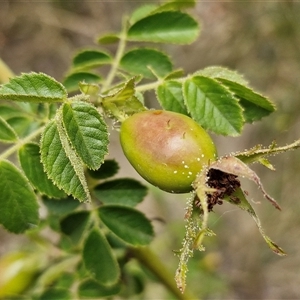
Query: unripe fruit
{"points": [[167, 149]]}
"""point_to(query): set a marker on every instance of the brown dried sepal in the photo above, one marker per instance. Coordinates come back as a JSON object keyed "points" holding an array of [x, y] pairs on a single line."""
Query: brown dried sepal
{"points": [[224, 184]]}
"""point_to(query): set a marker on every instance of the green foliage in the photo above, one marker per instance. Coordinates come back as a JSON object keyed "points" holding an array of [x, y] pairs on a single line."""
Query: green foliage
{"points": [[62, 141], [33, 87], [19, 207]]}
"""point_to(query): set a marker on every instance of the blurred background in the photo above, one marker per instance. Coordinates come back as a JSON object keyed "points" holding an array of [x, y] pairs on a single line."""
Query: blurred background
{"points": [[260, 39]]}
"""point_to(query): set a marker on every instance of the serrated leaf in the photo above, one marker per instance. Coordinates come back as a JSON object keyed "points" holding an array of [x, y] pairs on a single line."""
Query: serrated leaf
{"points": [[71, 81], [255, 105], [19, 207], [121, 191], [218, 72], [30, 160], [128, 224], [89, 58], [170, 96], [7, 133], [91, 289], [75, 224], [238, 198], [123, 102], [87, 132], [99, 259], [33, 87], [61, 164], [213, 106], [165, 27], [108, 169], [145, 62]]}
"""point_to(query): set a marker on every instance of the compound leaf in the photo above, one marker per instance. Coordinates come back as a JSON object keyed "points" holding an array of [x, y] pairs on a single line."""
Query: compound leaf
{"points": [[19, 207], [87, 132], [165, 27], [128, 224], [33, 87], [213, 106]]}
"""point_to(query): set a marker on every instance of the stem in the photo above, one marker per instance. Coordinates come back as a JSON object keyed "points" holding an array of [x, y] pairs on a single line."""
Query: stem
{"points": [[21, 142], [121, 48], [5, 72], [155, 265], [153, 85]]}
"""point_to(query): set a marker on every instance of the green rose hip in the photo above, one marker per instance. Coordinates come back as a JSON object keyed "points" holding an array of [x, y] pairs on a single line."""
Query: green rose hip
{"points": [[167, 149]]}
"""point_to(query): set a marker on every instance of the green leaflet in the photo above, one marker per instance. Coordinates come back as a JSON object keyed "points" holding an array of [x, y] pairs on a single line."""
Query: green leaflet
{"points": [[19, 207], [255, 106], [74, 225], [29, 156], [71, 81], [56, 293], [165, 27], [108, 169], [170, 96], [127, 223], [61, 163], [33, 87], [86, 131], [121, 191], [99, 259], [213, 106], [90, 58], [146, 62], [91, 289], [7, 133]]}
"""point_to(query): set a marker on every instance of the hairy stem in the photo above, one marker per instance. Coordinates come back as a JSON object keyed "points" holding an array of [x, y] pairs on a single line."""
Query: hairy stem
{"points": [[149, 259]]}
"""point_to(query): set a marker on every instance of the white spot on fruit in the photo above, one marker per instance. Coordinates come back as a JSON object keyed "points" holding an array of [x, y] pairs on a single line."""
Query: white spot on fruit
{"points": [[175, 172], [186, 166]]}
